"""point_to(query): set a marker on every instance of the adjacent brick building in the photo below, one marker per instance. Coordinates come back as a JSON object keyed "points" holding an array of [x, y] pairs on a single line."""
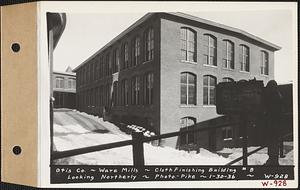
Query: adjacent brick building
{"points": [[64, 89], [161, 72]]}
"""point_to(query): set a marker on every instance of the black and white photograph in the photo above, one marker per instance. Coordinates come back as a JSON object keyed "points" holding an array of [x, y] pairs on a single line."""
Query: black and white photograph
{"points": [[175, 95]]}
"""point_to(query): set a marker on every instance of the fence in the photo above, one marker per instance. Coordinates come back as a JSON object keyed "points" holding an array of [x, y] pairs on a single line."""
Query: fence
{"points": [[137, 145]]}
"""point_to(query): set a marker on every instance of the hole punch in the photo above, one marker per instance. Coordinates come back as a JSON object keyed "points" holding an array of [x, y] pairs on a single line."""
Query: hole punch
{"points": [[17, 150], [15, 47]]}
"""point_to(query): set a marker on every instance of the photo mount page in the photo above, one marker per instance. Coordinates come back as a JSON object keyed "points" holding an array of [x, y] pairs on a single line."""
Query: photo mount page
{"points": [[167, 94]]}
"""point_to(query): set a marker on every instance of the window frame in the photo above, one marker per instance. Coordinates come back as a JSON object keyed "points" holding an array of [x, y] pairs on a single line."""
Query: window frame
{"points": [[186, 41], [264, 65], [209, 88], [229, 52], [187, 85], [187, 136], [149, 44], [244, 58], [208, 55]]}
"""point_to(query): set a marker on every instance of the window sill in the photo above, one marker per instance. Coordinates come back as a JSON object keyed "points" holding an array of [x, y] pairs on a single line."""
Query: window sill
{"points": [[264, 75], [209, 106], [227, 139], [212, 66], [189, 62], [246, 72], [188, 106], [227, 69]]}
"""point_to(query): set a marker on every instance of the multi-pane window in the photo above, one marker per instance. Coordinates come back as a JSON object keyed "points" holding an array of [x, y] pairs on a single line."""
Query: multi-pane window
{"points": [[209, 90], [116, 61], [135, 85], [188, 44], [124, 92], [244, 58], [136, 51], [264, 67], [227, 133], [59, 82], [228, 61], [107, 65], [148, 86], [101, 67], [227, 79], [115, 94], [185, 123], [210, 50], [101, 95], [149, 44], [69, 84], [188, 88], [125, 56]]}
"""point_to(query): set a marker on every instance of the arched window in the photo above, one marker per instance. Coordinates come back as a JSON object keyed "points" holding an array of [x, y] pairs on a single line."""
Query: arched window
{"points": [[185, 123], [136, 51], [244, 58], [228, 52], [227, 79], [149, 44], [209, 90], [188, 41], [135, 89], [125, 56], [148, 88], [264, 65], [188, 88], [210, 50], [116, 61], [115, 94]]}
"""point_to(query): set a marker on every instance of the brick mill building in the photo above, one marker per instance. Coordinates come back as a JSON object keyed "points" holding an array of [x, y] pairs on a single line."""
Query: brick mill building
{"points": [[161, 72]]}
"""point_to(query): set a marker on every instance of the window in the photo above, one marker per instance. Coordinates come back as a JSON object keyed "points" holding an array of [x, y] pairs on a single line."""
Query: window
{"points": [[136, 51], [227, 79], [228, 61], [135, 85], [244, 58], [69, 84], [59, 82], [125, 55], [115, 94], [227, 133], [148, 86], [116, 61], [185, 123], [209, 87], [101, 95], [210, 50], [188, 44], [107, 94], [124, 92], [188, 88], [107, 65], [101, 67], [149, 44], [264, 67]]}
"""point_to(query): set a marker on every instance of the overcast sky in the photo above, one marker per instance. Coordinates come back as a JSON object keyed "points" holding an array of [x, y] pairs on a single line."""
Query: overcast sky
{"points": [[86, 33]]}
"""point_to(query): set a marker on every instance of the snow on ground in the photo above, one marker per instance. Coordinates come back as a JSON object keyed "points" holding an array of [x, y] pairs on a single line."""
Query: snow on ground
{"points": [[69, 134], [74, 136], [258, 158]]}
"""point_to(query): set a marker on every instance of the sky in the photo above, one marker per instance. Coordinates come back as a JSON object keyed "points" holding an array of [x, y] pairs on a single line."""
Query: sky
{"points": [[85, 33]]}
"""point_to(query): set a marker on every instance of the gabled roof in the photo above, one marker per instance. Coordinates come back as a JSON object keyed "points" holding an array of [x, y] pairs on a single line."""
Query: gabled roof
{"points": [[185, 16]]}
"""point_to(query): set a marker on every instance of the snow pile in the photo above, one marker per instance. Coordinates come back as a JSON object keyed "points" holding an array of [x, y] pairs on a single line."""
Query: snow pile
{"points": [[74, 136]]}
